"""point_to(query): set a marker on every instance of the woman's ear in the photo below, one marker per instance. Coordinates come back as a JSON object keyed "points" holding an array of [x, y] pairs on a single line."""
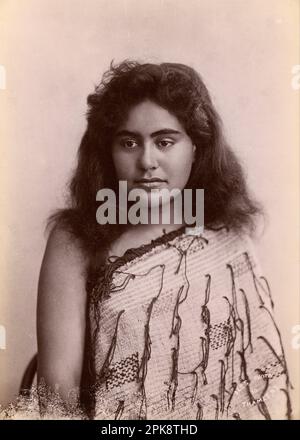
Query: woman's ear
{"points": [[194, 152]]}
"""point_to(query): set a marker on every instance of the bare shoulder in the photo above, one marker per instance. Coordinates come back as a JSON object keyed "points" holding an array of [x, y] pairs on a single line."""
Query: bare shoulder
{"points": [[63, 274], [63, 249]]}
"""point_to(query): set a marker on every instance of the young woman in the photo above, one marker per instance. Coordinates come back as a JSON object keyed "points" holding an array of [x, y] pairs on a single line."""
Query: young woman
{"points": [[153, 321]]}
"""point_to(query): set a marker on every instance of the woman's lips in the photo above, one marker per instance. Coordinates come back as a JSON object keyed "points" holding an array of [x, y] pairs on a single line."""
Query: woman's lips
{"points": [[151, 185]]}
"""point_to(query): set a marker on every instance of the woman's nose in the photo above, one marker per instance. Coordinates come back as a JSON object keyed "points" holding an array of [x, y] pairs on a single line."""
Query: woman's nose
{"points": [[148, 157]]}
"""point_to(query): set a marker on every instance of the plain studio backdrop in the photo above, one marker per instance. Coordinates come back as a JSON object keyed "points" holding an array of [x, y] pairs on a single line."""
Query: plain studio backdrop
{"points": [[55, 51]]}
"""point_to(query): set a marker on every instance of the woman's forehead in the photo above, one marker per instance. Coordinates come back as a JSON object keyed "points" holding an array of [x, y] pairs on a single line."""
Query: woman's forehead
{"points": [[151, 117]]}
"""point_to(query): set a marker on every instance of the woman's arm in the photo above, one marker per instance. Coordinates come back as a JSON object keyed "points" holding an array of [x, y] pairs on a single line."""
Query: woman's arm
{"points": [[61, 314]]}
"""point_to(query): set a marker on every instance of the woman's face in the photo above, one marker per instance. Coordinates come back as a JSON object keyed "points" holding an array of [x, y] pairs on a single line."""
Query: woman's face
{"points": [[152, 144]]}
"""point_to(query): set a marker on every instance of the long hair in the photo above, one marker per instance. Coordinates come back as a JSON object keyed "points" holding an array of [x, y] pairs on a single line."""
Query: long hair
{"points": [[180, 90]]}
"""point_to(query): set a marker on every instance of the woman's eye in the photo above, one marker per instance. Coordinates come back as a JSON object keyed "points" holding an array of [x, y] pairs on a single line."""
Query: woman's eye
{"points": [[129, 144], [164, 143]]}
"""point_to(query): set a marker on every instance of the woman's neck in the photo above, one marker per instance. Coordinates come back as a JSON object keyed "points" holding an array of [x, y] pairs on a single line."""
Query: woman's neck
{"points": [[165, 218]]}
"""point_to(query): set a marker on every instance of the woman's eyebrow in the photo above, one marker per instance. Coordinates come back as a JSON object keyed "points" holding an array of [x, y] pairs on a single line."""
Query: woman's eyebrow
{"points": [[164, 131], [127, 133]]}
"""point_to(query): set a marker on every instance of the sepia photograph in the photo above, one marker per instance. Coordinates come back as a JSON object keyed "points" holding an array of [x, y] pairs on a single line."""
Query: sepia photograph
{"points": [[149, 210]]}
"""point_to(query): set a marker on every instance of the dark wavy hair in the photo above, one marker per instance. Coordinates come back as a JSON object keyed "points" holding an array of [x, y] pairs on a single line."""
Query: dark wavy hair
{"points": [[179, 89]]}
